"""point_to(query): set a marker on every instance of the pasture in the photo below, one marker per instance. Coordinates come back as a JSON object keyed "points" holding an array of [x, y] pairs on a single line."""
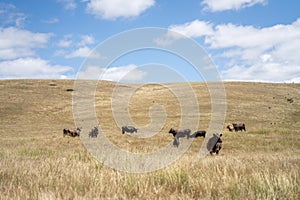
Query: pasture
{"points": [[37, 162]]}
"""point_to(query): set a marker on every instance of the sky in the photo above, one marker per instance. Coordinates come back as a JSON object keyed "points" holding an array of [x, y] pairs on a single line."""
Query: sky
{"points": [[245, 40]]}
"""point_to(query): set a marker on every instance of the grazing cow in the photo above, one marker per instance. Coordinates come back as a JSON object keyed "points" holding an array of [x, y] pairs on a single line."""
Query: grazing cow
{"points": [[214, 144], [199, 134], [239, 127], [176, 142], [71, 132], [180, 133], [94, 132], [129, 129], [230, 128]]}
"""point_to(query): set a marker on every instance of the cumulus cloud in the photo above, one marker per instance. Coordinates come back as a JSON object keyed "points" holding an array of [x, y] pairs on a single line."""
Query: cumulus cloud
{"points": [[268, 54], [264, 72], [65, 43], [230, 35], [81, 46], [86, 40], [221, 5], [82, 52], [108, 9], [15, 42], [31, 68], [122, 73], [192, 29], [195, 28], [9, 15], [250, 53], [68, 4], [280, 41]]}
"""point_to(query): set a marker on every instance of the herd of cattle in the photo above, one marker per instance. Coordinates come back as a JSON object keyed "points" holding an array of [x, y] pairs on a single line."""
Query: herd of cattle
{"points": [[214, 144]]}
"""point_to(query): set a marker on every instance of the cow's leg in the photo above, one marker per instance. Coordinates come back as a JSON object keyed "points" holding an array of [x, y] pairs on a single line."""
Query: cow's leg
{"points": [[218, 147]]}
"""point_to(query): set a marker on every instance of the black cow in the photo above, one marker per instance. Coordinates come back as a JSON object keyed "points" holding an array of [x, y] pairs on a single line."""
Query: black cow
{"points": [[239, 127], [236, 127], [94, 132], [180, 133], [214, 144], [198, 134], [129, 129], [71, 132], [176, 142]]}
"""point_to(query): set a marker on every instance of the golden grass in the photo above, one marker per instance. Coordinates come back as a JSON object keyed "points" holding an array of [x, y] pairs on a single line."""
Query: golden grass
{"points": [[37, 162]]}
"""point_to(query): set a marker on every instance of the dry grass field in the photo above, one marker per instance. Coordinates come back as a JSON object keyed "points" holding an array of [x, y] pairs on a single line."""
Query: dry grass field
{"points": [[37, 162]]}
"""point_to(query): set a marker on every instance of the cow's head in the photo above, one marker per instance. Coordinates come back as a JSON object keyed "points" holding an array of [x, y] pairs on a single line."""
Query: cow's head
{"points": [[172, 130], [230, 128]]}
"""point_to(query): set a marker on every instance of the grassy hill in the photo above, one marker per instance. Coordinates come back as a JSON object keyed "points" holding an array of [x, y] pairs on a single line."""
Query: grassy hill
{"points": [[37, 162]]}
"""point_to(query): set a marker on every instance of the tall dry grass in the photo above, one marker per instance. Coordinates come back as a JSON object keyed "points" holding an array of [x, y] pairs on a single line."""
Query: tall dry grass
{"points": [[78, 177], [37, 162]]}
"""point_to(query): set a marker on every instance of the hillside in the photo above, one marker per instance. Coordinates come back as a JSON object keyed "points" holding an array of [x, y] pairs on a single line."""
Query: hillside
{"points": [[37, 162]]}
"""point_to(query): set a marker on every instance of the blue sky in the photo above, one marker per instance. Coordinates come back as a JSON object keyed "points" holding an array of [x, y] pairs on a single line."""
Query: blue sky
{"points": [[247, 40]]}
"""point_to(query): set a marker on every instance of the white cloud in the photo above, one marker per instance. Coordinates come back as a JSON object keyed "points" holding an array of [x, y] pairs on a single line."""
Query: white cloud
{"points": [[65, 43], [195, 28], [221, 5], [68, 41], [192, 29], [81, 47], [68, 4], [60, 53], [109, 9], [86, 40], [288, 50], [266, 57], [280, 42], [265, 72], [265, 54], [51, 21], [121, 73], [82, 52], [31, 68], [250, 53], [15, 43], [9, 15], [230, 35]]}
